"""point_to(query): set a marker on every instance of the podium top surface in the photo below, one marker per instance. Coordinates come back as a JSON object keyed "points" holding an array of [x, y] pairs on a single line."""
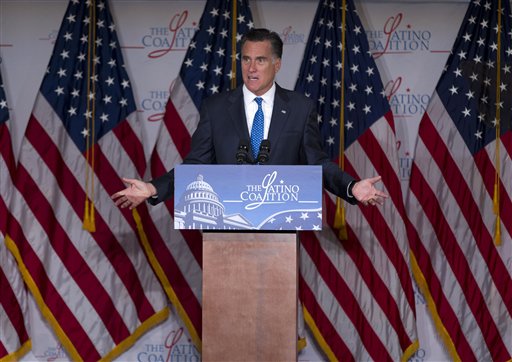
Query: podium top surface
{"points": [[248, 197]]}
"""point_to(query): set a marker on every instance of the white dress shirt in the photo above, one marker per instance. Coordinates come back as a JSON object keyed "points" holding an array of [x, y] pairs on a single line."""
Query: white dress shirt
{"points": [[251, 107]]}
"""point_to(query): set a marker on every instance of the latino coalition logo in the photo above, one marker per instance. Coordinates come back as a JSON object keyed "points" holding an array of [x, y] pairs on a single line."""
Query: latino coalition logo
{"points": [[174, 37], [405, 165], [53, 354], [174, 349], [267, 192], [391, 39], [418, 356], [51, 37], [290, 36], [405, 104], [418, 296], [154, 103]]}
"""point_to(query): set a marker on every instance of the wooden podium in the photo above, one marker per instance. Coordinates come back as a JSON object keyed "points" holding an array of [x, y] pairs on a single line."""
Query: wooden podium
{"points": [[249, 297], [249, 216]]}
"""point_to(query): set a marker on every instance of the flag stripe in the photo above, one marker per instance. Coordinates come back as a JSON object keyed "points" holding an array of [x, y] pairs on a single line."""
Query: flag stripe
{"points": [[178, 132], [343, 294], [4, 214], [9, 303], [50, 295], [165, 145], [3, 350], [321, 319], [181, 96], [130, 143], [6, 153]]}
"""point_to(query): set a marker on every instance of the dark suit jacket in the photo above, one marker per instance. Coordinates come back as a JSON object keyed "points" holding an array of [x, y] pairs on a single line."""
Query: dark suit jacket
{"points": [[294, 138]]}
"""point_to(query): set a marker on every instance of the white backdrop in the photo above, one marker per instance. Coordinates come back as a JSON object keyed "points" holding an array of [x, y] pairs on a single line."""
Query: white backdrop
{"points": [[410, 41]]}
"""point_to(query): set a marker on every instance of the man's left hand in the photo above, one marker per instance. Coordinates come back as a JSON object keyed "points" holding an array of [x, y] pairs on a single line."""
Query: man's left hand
{"points": [[366, 193]]}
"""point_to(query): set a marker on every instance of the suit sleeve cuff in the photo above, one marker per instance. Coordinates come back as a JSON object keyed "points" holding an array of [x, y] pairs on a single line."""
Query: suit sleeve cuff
{"points": [[349, 189], [153, 200]]}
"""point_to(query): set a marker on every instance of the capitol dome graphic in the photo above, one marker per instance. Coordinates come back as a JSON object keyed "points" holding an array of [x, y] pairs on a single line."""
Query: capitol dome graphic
{"points": [[200, 207]]}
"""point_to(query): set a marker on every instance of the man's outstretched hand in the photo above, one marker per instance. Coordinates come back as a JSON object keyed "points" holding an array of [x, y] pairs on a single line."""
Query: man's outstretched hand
{"points": [[136, 192], [366, 193]]}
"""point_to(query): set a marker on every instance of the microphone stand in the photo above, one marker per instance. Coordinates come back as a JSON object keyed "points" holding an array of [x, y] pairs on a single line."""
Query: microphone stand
{"points": [[264, 153], [242, 155]]}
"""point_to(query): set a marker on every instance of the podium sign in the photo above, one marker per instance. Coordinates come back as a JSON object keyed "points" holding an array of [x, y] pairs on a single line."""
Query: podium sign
{"points": [[248, 197]]}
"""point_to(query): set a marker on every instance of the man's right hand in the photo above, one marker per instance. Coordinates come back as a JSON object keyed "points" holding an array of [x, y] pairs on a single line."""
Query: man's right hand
{"points": [[136, 192]]}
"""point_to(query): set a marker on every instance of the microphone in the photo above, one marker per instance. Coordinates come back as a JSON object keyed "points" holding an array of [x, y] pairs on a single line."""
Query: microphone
{"points": [[264, 153], [242, 154]]}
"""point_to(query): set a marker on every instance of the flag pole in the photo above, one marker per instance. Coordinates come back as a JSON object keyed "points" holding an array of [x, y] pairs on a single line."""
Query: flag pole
{"points": [[88, 223], [339, 218], [497, 179], [233, 46]]}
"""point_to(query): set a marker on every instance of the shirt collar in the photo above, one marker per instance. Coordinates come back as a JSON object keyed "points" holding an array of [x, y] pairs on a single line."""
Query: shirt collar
{"points": [[268, 97]]}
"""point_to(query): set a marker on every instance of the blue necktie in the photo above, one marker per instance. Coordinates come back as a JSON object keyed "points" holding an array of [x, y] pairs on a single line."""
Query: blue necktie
{"points": [[257, 129]]}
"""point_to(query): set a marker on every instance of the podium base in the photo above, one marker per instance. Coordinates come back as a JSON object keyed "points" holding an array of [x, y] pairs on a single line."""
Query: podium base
{"points": [[249, 297]]}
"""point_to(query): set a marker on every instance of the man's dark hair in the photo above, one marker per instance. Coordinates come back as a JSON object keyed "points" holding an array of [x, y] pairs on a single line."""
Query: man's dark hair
{"points": [[262, 35]]}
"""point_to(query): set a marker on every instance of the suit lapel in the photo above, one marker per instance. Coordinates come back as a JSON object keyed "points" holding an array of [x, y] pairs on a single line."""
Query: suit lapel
{"points": [[280, 114], [236, 113]]}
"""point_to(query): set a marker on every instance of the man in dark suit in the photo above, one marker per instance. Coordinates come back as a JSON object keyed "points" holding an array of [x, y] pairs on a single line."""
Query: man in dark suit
{"points": [[287, 119]]}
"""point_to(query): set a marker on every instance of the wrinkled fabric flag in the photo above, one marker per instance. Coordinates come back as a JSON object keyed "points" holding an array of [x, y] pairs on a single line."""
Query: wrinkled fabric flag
{"points": [[357, 293], [14, 338], [84, 263], [461, 175]]}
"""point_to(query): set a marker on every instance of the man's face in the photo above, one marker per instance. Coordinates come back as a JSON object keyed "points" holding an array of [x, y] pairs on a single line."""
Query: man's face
{"points": [[259, 66]]}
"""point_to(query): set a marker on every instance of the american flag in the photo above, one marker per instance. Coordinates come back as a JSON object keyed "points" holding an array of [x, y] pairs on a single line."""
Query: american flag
{"points": [[14, 339], [206, 70], [86, 270], [462, 264], [357, 293]]}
